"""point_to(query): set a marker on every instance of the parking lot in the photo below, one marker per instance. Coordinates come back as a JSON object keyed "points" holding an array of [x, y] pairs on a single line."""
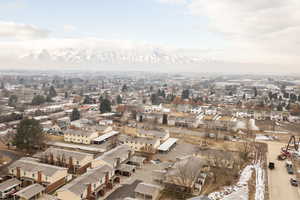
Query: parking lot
{"points": [[278, 178], [181, 149]]}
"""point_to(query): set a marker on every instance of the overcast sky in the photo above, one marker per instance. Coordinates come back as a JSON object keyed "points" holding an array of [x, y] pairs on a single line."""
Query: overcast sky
{"points": [[263, 34]]}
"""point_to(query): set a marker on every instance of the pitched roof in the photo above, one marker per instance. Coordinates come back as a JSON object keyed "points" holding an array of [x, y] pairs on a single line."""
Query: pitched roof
{"points": [[67, 153], [118, 152], [30, 191], [10, 183], [80, 184], [31, 165]]}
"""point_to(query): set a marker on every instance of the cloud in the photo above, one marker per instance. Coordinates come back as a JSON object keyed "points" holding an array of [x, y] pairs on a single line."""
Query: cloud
{"points": [[21, 31], [272, 27], [69, 28], [172, 1], [12, 5]]}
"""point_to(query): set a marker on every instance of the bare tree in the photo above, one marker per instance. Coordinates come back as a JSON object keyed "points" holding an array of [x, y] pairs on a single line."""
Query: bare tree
{"points": [[185, 172], [245, 150]]}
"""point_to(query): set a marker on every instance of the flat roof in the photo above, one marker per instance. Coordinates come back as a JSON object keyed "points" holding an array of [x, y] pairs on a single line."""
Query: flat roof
{"points": [[106, 136], [167, 144]]}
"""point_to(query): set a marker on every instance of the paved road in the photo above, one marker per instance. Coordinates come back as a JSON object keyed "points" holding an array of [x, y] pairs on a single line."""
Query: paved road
{"points": [[279, 185]]}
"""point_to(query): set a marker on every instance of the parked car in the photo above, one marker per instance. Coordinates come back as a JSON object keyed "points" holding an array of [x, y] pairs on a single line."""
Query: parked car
{"points": [[294, 182], [290, 170], [271, 165], [288, 164]]}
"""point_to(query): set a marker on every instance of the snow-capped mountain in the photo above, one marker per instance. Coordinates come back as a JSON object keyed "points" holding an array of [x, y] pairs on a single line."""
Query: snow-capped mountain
{"points": [[111, 56]]}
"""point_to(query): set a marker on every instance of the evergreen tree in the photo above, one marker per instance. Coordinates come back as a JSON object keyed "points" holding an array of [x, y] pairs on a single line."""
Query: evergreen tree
{"points": [[49, 98], [119, 99], [29, 135], [38, 100], [52, 91], [185, 94], [75, 115], [124, 88], [12, 101], [105, 106], [255, 91], [87, 100]]}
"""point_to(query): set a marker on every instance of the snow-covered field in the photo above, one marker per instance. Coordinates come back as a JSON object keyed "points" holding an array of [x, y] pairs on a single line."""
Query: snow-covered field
{"points": [[240, 190]]}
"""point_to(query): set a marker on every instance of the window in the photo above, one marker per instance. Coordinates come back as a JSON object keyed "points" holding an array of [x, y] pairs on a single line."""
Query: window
{"points": [[33, 175], [12, 171]]}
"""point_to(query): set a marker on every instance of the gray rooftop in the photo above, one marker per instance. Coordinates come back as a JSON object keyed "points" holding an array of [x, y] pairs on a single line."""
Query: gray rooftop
{"points": [[10, 183], [67, 153], [30, 191], [79, 132], [80, 184], [30, 165], [118, 152]]}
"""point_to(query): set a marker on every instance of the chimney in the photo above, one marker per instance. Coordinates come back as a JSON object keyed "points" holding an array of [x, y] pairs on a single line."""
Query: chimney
{"points": [[39, 180], [106, 178], [51, 159], [118, 162], [89, 192], [18, 172], [70, 162], [129, 154]]}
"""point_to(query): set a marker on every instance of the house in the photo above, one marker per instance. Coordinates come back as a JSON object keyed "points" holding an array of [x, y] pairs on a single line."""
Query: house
{"points": [[155, 117], [29, 171], [91, 185], [8, 187], [80, 136], [187, 174], [147, 191], [63, 122], [162, 135], [138, 161], [200, 198], [142, 144], [33, 191], [225, 123], [115, 157], [77, 162]]}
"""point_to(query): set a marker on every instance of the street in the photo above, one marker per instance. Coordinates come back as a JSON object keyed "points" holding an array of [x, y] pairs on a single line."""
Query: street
{"points": [[279, 180]]}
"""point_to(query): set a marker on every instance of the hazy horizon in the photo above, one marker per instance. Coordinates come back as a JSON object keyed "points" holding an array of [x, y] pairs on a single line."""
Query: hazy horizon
{"points": [[151, 35]]}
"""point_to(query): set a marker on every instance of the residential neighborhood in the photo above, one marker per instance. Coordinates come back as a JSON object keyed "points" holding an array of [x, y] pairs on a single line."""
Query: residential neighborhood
{"points": [[148, 136]]}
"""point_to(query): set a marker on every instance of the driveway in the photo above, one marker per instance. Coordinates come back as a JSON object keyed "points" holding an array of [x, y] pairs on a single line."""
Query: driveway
{"points": [[279, 180], [127, 190]]}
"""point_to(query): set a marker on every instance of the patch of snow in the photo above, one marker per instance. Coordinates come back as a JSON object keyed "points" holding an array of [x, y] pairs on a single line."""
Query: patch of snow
{"points": [[263, 137], [260, 182], [240, 191]]}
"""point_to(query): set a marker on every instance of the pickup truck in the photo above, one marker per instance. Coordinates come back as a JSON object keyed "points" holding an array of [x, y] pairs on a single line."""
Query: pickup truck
{"points": [[271, 165]]}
